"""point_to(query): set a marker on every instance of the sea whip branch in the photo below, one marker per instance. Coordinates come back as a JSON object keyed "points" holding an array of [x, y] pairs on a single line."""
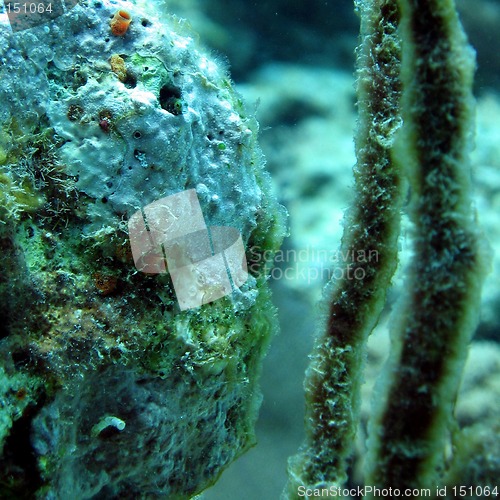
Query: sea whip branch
{"points": [[408, 436], [371, 227]]}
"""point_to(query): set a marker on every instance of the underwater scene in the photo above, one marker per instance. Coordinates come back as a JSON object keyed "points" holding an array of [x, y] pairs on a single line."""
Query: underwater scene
{"points": [[249, 250]]}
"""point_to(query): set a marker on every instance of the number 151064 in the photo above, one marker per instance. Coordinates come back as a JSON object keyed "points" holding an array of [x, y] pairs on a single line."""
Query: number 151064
{"points": [[27, 7]]}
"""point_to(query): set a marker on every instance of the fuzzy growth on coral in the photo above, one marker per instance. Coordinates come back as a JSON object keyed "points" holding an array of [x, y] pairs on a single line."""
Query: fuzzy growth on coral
{"points": [[121, 392], [371, 226]]}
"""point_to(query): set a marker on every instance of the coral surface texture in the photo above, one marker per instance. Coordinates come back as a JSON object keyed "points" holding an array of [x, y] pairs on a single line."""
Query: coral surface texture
{"points": [[108, 388]]}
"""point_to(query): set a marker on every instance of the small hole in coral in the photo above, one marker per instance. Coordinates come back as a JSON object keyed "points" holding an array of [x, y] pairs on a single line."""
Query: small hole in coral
{"points": [[130, 80], [104, 199], [137, 135], [170, 99]]}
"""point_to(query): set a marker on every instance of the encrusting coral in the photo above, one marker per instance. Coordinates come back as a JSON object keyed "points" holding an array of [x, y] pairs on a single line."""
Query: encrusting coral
{"points": [[120, 393]]}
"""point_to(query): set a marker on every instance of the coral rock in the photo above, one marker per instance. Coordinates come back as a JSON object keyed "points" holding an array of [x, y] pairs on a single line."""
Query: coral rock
{"points": [[122, 393]]}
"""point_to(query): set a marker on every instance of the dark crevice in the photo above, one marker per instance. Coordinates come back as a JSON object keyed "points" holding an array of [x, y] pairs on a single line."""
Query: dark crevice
{"points": [[19, 474]]}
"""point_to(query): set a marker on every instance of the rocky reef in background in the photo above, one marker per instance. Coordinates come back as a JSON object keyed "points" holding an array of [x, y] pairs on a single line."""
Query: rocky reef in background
{"points": [[316, 34], [106, 387]]}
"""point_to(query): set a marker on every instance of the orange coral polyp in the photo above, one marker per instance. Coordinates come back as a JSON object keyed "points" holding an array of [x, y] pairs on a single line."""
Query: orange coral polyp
{"points": [[120, 22]]}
